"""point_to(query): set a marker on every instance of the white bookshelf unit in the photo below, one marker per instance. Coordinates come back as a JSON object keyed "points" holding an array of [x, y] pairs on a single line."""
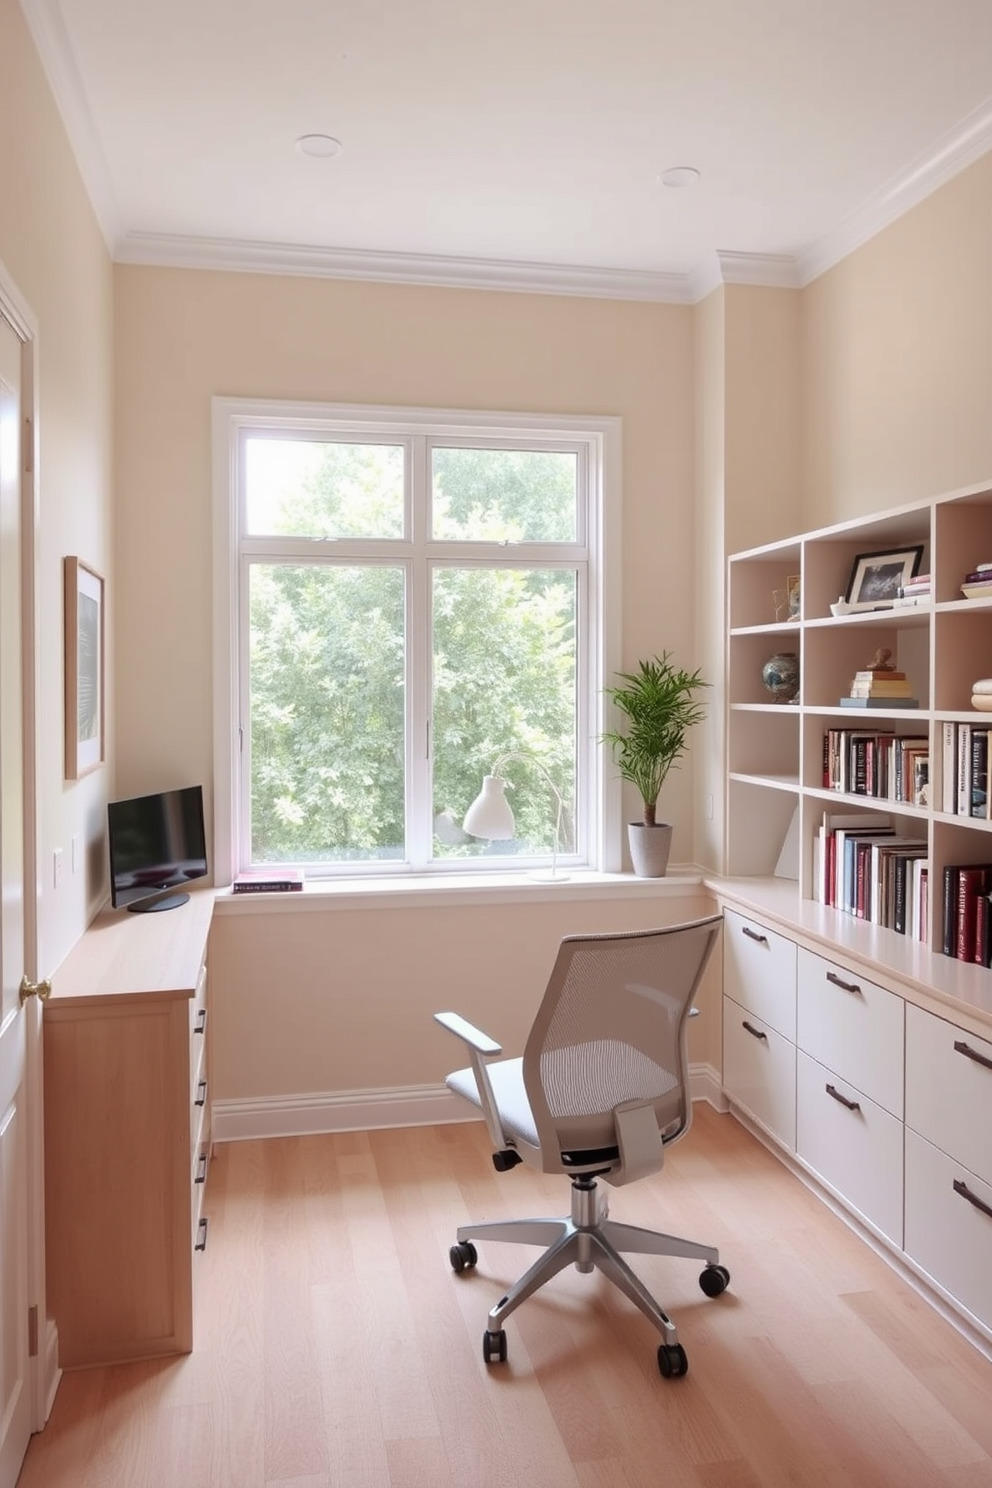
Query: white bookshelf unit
{"points": [[861, 1055], [943, 644]]}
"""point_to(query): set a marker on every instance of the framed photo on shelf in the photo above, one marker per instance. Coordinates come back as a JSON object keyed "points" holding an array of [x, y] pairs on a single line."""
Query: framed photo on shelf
{"points": [[84, 669], [793, 589], [876, 578]]}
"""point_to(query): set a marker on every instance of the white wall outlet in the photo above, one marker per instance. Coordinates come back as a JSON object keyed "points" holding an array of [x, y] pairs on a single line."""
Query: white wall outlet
{"points": [[57, 867]]}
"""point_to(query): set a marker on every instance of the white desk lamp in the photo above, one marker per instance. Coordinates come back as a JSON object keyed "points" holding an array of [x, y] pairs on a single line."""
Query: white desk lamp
{"points": [[490, 816]]}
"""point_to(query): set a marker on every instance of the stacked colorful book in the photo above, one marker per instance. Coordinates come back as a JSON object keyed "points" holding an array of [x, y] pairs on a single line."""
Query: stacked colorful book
{"points": [[880, 688], [978, 584], [916, 591]]}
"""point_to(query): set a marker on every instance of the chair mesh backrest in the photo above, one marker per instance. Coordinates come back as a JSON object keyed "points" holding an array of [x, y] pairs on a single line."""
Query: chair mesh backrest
{"points": [[611, 1029]]}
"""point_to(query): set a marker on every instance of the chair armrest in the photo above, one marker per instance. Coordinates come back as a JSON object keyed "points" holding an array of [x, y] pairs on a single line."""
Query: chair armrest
{"points": [[470, 1035], [481, 1047]]}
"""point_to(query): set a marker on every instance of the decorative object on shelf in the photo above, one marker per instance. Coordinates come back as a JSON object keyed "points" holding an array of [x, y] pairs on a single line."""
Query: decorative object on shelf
{"points": [[795, 595], [84, 661], [882, 662], [780, 674], [840, 607], [981, 695], [490, 816], [876, 578], [780, 601], [659, 706], [917, 591]]}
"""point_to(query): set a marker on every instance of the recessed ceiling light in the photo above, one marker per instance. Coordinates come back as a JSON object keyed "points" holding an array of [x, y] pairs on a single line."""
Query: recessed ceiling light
{"points": [[319, 146], [679, 175]]}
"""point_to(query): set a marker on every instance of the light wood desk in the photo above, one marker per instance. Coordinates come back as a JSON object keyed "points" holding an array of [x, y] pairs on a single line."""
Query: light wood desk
{"points": [[127, 1133]]}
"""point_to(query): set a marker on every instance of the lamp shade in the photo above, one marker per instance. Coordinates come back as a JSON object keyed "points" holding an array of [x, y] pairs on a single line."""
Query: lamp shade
{"points": [[489, 814]]}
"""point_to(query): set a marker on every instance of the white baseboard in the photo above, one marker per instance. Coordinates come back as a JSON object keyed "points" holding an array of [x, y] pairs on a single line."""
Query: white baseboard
{"points": [[369, 1110]]}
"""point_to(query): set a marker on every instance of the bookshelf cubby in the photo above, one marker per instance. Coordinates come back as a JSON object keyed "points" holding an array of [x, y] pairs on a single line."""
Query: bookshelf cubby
{"points": [[775, 750]]}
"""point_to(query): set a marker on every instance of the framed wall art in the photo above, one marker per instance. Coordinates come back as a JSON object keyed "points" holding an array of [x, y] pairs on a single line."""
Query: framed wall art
{"points": [[84, 669]]}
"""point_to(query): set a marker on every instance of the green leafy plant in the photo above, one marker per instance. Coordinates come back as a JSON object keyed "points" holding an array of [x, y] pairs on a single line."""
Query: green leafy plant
{"points": [[658, 701]]}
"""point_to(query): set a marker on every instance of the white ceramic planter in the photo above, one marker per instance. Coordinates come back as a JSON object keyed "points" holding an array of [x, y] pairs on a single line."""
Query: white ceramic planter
{"points": [[650, 848]]}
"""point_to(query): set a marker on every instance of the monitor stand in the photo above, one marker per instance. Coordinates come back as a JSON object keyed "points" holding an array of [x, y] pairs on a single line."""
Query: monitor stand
{"points": [[151, 906]]}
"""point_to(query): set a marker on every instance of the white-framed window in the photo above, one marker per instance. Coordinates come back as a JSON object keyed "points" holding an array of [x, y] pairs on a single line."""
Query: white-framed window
{"points": [[403, 598]]}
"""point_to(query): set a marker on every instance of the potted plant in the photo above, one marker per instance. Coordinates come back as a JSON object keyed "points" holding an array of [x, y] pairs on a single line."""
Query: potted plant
{"points": [[659, 707]]}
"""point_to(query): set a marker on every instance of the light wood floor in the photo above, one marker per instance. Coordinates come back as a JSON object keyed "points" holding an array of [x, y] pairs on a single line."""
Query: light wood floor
{"points": [[334, 1346]]}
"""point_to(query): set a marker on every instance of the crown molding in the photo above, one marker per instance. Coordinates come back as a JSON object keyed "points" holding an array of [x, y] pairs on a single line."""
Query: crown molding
{"points": [[167, 251], [959, 148], [47, 28]]}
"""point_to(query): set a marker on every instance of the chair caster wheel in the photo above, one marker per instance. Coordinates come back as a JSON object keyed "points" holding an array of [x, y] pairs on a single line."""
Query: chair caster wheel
{"points": [[462, 1255], [672, 1361], [494, 1346], [714, 1280]]}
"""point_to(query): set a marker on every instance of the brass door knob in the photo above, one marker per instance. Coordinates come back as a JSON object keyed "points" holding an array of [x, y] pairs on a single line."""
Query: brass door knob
{"points": [[34, 989]]}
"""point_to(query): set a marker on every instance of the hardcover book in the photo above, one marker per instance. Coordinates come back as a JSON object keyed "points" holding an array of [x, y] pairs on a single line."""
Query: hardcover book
{"points": [[272, 880]]}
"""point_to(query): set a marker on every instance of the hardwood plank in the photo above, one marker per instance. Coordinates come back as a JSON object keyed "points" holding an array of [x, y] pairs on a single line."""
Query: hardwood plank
{"points": [[335, 1346]]}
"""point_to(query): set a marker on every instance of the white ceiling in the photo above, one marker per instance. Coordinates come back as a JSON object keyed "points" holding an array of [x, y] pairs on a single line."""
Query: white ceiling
{"points": [[516, 143]]}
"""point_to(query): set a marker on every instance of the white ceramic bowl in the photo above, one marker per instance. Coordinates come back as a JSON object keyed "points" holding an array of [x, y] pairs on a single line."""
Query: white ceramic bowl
{"points": [[841, 607]]}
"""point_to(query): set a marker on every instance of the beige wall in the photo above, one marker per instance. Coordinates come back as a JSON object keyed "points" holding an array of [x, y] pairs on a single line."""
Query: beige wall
{"points": [[51, 247], [184, 336], [897, 360]]}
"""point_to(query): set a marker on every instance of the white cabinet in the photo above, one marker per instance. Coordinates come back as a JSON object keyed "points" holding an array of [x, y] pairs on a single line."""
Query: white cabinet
{"points": [[759, 1024], [853, 1027], [949, 1158], [853, 1144]]}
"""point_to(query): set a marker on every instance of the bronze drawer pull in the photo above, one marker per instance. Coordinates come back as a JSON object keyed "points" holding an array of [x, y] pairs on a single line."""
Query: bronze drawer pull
{"points": [[969, 1053], [966, 1193], [201, 1094], [844, 986], [753, 935], [201, 1168], [836, 1095], [757, 1033], [201, 1021], [201, 1234]]}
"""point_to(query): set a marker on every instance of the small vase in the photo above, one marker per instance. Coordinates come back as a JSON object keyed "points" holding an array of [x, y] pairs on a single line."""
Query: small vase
{"points": [[780, 674]]}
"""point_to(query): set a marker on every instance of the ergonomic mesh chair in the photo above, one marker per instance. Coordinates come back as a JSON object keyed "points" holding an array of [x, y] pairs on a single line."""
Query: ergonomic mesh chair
{"points": [[601, 1091]]}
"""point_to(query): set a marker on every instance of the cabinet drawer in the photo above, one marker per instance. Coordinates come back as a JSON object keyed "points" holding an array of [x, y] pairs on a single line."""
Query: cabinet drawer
{"points": [[946, 1232], [853, 1027], [759, 1071], [759, 972], [855, 1147], [949, 1089]]}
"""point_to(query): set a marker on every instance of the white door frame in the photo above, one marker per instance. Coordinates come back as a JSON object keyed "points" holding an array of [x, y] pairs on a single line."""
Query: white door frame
{"points": [[44, 1372]]}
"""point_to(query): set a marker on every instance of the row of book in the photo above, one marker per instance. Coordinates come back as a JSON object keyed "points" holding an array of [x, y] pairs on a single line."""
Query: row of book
{"points": [[966, 770], [967, 912], [877, 763], [861, 866]]}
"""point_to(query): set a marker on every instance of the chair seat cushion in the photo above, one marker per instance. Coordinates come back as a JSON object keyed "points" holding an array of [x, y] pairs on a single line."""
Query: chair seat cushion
{"points": [[608, 1073]]}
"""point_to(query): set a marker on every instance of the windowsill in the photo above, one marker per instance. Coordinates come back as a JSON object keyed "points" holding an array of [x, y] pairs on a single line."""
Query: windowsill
{"points": [[438, 890]]}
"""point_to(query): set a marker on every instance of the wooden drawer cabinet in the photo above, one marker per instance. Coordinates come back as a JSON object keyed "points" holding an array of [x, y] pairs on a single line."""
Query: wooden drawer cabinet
{"points": [[759, 1071], [127, 1133], [949, 1225], [759, 972], [949, 1090], [852, 1143], [853, 1027]]}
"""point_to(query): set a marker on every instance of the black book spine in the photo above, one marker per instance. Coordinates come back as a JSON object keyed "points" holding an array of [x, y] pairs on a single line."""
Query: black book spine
{"points": [[901, 869], [979, 767]]}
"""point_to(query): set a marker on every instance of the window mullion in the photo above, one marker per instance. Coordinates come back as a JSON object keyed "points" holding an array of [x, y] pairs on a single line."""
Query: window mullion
{"points": [[419, 792]]}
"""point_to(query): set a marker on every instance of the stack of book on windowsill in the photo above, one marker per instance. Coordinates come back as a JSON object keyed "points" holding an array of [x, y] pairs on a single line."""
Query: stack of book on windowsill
{"points": [[272, 880], [880, 688], [917, 591]]}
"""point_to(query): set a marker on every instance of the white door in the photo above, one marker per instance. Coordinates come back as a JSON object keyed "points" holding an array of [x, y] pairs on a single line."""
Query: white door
{"points": [[15, 1392]]}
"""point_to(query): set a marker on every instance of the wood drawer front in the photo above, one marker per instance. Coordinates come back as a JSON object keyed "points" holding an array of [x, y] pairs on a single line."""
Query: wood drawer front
{"points": [[950, 1237], [759, 972], [857, 1152], [949, 1090], [853, 1027], [759, 1072]]}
